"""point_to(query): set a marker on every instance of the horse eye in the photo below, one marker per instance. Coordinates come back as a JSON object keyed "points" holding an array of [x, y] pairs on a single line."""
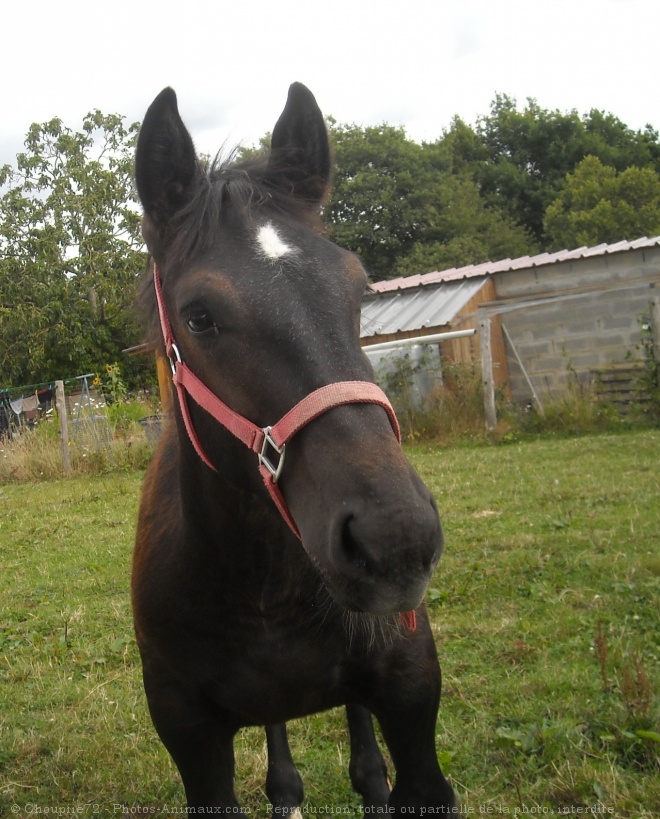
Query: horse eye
{"points": [[199, 322]]}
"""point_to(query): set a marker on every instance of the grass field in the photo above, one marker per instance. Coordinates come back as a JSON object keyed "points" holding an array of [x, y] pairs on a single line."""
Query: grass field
{"points": [[546, 609]]}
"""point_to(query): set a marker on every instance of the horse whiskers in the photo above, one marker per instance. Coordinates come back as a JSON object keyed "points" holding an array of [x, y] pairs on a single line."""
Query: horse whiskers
{"points": [[371, 630]]}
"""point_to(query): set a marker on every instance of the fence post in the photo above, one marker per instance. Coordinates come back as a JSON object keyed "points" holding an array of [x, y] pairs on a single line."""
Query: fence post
{"points": [[487, 371], [164, 383], [64, 430]]}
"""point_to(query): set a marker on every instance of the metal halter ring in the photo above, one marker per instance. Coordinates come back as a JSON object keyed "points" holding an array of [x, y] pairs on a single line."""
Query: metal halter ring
{"points": [[174, 357], [265, 456]]}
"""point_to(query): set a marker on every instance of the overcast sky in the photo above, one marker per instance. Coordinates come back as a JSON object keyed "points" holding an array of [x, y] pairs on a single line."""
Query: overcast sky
{"points": [[415, 63]]}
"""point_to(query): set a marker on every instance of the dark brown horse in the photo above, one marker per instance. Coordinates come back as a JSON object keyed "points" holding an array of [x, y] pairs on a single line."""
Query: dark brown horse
{"points": [[273, 585]]}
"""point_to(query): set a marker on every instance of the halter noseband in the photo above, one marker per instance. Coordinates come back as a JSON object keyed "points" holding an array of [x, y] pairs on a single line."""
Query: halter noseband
{"points": [[269, 442]]}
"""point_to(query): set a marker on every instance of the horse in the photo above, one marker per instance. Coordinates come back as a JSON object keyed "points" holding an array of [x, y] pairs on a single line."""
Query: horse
{"points": [[284, 542]]}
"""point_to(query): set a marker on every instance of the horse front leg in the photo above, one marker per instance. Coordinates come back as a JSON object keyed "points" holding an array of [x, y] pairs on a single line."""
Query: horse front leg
{"points": [[284, 787], [406, 705], [367, 767], [201, 746]]}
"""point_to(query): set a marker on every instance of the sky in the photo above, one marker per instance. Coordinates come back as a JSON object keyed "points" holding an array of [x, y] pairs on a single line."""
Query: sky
{"points": [[414, 63]]}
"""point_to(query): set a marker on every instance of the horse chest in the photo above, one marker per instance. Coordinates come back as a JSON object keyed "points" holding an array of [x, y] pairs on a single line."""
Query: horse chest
{"points": [[267, 669]]}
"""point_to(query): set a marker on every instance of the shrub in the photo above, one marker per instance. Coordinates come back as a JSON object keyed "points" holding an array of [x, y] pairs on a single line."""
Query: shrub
{"points": [[36, 455]]}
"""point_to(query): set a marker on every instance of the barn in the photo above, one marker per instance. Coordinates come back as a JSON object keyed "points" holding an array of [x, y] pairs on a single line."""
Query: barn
{"points": [[533, 323], [542, 320]]}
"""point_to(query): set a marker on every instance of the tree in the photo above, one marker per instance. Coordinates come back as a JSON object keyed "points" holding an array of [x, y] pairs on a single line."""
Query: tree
{"points": [[460, 229], [411, 208], [608, 138], [380, 188], [600, 204], [71, 250], [530, 152]]}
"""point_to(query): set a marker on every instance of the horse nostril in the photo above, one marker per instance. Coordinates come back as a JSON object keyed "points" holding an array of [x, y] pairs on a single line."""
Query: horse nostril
{"points": [[352, 553], [380, 561], [369, 546]]}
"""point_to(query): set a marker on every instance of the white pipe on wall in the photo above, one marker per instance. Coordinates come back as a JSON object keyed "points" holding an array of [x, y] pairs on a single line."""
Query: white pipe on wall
{"points": [[410, 342]]}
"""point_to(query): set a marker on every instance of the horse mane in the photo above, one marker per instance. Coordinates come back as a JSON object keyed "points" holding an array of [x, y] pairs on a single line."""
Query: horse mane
{"points": [[234, 192]]}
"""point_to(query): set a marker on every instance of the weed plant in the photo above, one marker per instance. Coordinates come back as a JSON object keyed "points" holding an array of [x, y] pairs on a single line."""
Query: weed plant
{"points": [[576, 412], [455, 408], [650, 380], [36, 454], [453, 411]]}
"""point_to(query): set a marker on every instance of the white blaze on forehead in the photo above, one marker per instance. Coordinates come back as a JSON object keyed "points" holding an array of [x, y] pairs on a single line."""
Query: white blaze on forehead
{"points": [[271, 244]]}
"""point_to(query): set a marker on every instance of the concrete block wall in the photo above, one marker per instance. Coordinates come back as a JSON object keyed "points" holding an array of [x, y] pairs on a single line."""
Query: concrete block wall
{"points": [[559, 341]]}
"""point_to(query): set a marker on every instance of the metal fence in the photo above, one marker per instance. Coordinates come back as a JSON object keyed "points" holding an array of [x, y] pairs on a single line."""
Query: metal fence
{"points": [[87, 421]]}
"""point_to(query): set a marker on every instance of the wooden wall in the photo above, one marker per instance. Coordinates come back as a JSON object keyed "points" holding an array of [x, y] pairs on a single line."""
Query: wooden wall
{"points": [[467, 350], [462, 350]]}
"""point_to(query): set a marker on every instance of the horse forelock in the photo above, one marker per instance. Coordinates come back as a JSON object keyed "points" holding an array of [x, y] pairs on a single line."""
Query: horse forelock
{"points": [[239, 194]]}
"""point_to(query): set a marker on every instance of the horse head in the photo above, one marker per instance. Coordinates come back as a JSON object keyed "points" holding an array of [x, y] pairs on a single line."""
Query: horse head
{"points": [[265, 311]]}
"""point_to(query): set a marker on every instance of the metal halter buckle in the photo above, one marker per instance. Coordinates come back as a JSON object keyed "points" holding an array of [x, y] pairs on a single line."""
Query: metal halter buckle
{"points": [[266, 455], [174, 357]]}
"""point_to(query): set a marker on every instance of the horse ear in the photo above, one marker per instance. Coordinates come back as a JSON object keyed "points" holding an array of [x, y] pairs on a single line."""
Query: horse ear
{"points": [[300, 149], [165, 161]]}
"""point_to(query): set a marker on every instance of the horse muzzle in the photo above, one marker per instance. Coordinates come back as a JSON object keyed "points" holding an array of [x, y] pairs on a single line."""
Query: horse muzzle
{"points": [[380, 560]]}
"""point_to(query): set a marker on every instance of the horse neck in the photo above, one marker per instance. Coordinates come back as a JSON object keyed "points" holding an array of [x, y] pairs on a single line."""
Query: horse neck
{"points": [[230, 505]]}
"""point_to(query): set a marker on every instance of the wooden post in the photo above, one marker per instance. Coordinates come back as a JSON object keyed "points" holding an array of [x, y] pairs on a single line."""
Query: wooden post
{"points": [[487, 371], [535, 396], [164, 383], [64, 430]]}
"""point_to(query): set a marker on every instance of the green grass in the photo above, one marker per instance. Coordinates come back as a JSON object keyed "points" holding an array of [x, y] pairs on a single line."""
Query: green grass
{"points": [[545, 609]]}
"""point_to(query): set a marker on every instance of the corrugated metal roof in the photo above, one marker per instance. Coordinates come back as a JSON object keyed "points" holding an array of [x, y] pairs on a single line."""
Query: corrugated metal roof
{"points": [[413, 310], [488, 268]]}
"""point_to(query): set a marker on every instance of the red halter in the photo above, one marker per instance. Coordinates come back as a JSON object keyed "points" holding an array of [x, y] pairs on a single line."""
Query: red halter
{"points": [[268, 442]]}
